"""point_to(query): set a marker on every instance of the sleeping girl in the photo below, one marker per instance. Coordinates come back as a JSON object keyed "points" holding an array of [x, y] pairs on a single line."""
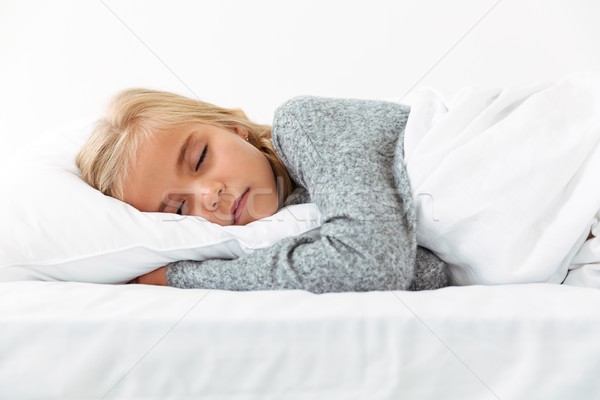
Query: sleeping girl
{"points": [[500, 184], [162, 152]]}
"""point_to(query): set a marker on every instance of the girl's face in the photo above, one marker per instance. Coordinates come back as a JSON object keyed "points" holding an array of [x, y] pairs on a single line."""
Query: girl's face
{"points": [[203, 170]]}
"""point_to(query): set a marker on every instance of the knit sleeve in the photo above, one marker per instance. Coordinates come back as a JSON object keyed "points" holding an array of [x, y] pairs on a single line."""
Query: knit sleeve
{"points": [[342, 152]]}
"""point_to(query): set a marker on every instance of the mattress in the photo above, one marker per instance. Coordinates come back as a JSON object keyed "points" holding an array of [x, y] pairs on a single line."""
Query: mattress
{"points": [[69, 340]]}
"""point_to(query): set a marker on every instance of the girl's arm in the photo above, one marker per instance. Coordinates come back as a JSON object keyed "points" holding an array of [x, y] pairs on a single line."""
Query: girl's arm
{"points": [[348, 154]]}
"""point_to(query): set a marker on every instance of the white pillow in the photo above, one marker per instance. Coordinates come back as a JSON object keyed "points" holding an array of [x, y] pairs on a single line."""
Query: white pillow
{"points": [[56, 227]]}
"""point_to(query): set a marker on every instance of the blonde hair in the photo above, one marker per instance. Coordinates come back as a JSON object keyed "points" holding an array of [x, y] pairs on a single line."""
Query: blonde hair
{"points": [[134, 114]]}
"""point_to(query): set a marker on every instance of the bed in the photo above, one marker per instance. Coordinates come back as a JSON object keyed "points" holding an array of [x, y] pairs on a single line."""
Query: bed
{"points": [[72, 328], [92, 341], [70, 332]]}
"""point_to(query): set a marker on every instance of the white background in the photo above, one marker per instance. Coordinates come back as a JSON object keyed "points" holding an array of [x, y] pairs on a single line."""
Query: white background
{"points": [[62, 60]]}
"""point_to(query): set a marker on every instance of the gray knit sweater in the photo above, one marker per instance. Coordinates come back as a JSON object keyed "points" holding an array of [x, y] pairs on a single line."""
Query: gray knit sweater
{"points": [[346, 156]]}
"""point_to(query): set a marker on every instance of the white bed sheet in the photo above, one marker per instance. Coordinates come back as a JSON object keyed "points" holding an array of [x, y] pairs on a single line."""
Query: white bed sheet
{"points": [[82, 341]]}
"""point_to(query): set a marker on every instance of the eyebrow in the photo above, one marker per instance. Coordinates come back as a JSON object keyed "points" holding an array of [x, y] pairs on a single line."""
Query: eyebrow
{"points": [[179, 164]]}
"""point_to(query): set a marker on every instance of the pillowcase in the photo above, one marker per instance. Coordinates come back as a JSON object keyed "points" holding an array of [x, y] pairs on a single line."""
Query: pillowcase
{"points": [[58, 228]]}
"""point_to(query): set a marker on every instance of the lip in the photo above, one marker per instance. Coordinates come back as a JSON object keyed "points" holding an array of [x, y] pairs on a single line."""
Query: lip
{"points": [[238, 206]]}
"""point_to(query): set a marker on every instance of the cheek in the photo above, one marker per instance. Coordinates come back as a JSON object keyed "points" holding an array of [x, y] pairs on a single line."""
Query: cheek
{"points": [[262, 203], [255, 163]]}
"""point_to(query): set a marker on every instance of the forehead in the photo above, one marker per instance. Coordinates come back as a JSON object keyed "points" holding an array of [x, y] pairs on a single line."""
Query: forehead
{"points": [[153, 167]]}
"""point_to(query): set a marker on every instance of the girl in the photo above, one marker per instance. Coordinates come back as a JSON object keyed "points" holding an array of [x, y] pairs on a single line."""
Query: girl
{"points": [[162, 152]]}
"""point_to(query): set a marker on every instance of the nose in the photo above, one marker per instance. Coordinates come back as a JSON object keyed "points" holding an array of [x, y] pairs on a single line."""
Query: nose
{"points": [[208, 198]]}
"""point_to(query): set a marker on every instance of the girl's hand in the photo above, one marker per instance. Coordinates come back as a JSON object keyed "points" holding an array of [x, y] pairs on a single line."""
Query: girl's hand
{"points": [[156, 277]]}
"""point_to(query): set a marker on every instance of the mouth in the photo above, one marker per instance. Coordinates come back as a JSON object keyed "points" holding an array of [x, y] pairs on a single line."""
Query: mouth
{"points": [[238, 206]]}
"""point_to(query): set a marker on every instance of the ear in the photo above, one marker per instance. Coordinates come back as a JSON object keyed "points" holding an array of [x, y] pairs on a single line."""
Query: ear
{"points": [[241, 132]]}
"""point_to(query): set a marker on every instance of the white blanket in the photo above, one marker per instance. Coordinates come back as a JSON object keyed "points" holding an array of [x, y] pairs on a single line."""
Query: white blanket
{"points": [[507, 181]]}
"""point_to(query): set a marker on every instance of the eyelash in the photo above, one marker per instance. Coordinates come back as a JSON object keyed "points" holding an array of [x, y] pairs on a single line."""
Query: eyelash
{"points": [[179, 210], [201, 158]]}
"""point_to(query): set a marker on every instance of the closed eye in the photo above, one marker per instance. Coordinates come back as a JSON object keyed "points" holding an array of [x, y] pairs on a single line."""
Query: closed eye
{"points": [[201, 159], [180, 209]]}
